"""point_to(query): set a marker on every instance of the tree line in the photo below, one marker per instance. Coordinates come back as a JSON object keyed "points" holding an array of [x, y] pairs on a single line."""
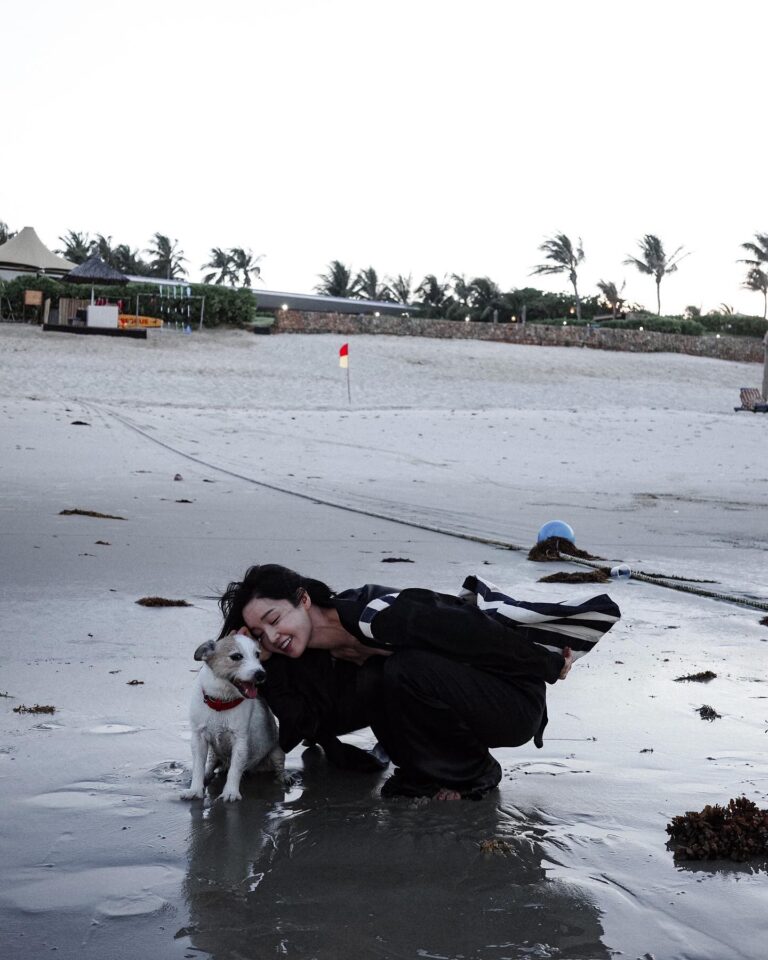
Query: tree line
{"points": [[453, 297]]}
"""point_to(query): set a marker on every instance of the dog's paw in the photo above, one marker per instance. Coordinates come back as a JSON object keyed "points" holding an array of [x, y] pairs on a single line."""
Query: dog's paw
{"points": [[192, 794], [230, 794]]}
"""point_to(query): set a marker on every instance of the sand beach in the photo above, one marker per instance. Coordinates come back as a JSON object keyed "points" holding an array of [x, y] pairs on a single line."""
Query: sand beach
{"points": [[442, 442]]}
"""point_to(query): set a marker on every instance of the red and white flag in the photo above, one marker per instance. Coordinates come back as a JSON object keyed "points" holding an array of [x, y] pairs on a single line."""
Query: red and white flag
{"points": [[344, 356]]}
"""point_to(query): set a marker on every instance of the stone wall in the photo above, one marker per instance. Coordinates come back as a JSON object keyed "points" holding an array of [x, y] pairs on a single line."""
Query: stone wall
{"points": [[743, 349]]}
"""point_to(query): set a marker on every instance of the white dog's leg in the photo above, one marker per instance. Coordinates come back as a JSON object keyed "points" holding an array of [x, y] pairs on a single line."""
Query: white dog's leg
{"points": [[199, 755], [237, 764]]}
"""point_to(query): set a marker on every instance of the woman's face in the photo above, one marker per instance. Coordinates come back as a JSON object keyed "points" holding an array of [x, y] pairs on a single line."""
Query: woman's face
{"points": [[278, 625]]}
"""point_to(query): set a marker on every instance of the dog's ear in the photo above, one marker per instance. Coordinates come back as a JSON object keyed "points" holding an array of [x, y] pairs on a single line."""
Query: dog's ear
{"points": [[205, 650]]}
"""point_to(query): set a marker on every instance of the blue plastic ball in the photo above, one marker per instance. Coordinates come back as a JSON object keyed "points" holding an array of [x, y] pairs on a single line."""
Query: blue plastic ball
{"points": [[556, 528]]}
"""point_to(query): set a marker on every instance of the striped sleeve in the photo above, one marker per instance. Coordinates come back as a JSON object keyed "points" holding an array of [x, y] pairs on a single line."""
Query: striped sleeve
{"points": [[369, 612], [578, 625]]}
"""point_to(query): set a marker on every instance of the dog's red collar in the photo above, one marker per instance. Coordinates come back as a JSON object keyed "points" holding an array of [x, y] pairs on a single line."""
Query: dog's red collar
{"points": [[215, 704]]}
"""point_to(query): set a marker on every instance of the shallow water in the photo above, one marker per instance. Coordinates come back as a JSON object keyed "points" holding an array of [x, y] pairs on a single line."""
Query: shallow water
{"points": [[568, 859]]}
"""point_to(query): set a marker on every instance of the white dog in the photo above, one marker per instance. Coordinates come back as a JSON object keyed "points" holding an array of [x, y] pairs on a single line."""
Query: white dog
{"points": [[231, 725]]}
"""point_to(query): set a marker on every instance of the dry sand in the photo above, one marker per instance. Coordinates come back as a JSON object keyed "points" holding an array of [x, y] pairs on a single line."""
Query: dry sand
{"points": [[642, 454]]}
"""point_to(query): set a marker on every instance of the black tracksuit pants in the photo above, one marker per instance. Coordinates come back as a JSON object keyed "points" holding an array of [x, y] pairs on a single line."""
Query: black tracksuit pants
{"points": [[437, 717]]}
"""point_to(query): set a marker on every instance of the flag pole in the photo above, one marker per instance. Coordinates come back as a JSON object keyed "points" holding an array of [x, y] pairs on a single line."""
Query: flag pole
{"points": [[344, 362]]}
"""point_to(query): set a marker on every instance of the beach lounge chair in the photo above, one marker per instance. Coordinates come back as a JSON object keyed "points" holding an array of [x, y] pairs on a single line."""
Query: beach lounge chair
{"points": [[752, 400]]}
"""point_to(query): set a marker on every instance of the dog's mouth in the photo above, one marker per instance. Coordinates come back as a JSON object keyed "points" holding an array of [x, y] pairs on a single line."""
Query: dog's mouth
{"points": [[247, 688]]}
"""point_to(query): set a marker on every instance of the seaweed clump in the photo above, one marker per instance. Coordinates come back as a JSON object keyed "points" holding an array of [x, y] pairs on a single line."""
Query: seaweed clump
{"points": [[703, 677], [738, 831], [162, 602], [554, 548], [708, 713], [77, 512], [588, 576]]}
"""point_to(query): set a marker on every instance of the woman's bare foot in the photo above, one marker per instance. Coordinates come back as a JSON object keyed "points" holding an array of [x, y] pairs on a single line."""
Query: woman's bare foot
{"points": [[444, 793]]}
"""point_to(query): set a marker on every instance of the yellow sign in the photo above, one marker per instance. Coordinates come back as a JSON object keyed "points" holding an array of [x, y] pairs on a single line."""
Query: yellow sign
{"points": [[132, 320], [33, 298]]}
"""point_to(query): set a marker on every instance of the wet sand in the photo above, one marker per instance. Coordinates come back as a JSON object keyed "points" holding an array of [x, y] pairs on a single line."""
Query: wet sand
{"points": [[641, 454]]}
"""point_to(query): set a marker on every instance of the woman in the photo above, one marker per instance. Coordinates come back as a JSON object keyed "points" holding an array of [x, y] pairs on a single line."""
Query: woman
{"points": [[438, 680]]}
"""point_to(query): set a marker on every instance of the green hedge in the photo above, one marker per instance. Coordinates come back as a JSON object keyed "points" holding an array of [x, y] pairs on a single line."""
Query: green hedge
{"points": [[735, 325], [223, 305], [690, 328]]}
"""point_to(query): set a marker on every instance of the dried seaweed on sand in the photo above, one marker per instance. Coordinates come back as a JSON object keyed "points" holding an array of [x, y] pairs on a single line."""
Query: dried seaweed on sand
{"points": [[588, 576], [162, 602], [555, 548], [38, 708], [708, 713], [89, 513], [738, 831], [704, 677], [396, 560]]}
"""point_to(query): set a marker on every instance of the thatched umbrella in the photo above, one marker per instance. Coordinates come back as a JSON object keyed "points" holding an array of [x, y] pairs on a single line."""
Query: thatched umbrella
{"points": [[95, 272]]}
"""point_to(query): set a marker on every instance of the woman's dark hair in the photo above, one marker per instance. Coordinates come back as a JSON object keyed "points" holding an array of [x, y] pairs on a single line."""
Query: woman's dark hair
{"points": [[273, 581]]}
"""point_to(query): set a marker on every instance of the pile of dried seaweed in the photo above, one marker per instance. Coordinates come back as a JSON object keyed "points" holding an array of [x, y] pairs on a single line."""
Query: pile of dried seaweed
{"points": [[738, 831], [38, 708], [554, 548], [77, 512], [708, 713], [703, 677], [162, 602], [587, 576]]}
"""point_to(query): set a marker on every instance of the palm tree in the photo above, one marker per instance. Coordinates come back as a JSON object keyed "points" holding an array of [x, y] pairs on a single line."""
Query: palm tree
{"points": [[486, 297], [612, 294], [129, 261], [337, 281], [433, 295], [400, 288], [757, 263], [462, 289], [221, 266], [102, 247], [757, 281], [655, 262], [565, 259], [244, 264], [5, 233], [369, 288], [759, 251], [166, 258], [77, 247]]}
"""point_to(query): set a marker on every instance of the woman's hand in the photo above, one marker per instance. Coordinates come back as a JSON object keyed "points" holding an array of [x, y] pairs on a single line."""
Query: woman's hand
{"points": [[568, 657]]}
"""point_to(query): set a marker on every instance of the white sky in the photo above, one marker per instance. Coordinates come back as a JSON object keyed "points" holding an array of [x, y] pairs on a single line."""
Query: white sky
{"points": [[417, 136]]}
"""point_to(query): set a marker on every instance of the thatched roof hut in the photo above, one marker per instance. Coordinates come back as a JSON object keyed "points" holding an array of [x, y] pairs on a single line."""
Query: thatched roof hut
{"points": [[95, 271]]}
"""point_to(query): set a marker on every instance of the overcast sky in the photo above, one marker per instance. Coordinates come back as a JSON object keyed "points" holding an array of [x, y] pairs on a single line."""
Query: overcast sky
{"points": [[416, 136]]}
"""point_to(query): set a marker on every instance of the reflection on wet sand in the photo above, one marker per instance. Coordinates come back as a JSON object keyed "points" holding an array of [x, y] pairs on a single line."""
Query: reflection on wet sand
{"points": [[330, 870]]}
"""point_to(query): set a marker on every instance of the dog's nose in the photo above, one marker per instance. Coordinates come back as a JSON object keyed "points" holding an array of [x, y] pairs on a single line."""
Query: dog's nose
{"points": [[259, 677]]}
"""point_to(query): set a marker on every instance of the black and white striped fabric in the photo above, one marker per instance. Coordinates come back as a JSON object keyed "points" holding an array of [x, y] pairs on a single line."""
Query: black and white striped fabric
{"points": [[374, 607], [578, 625]]}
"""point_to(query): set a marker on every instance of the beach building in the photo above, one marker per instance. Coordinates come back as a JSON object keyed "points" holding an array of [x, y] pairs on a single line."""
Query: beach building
{"points": [[316, 303], [26, 253]]}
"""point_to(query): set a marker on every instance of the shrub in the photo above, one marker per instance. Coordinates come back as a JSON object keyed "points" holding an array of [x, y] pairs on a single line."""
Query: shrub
{"points": [[223, 305], [736, 325]]}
